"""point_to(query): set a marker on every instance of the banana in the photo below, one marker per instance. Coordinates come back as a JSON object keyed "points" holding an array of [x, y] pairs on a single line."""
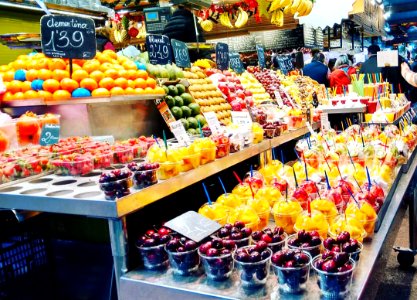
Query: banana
{"points": [[285, 3], [242, 18], [287, 9], [275, 5], [294, 6], [273, 17], [309, 8], [225, 20], [280, 18], [301, 8], [207, 25]]}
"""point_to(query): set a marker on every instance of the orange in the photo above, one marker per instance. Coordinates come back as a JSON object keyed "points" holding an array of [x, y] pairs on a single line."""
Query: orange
{"points": [[51, 85], [132, 74], [121, 59], [121, 82], [91, 65], [74, 67], [112, 73], [107, 83], [69, 84], [18, 96], [89, 84], [97, 75], [8, 96], [8, 76], [131, 84], [150, 82], [25, 86], [44, 74], [19, 64], [117, 91], [45, 95], [139, 91], [60, 74], [129, 65], [129, 91], [117, 67], [14, 86], [149, 90], [140, 83], [57, 64], [159, 90], [79, 62], [79, 75], [32, 74], [102, 58], [31, 94], [38, 55], [100, 92], [41, 63], [110, 53], [22, 57], [142, 74], [123, 73], [4, 68], [105, 66], [61, 95]]}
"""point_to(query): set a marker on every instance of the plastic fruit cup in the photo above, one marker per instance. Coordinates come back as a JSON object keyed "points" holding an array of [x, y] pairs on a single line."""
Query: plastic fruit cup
{"points": [[253, 274], [123, 155], [103, 160], [184, 263], [215, 212], [116, 189], [154, 258], [292, 280], [334, 285], [82, 166], [371, 106], [207, 155], [269, 133], [143, 179], [278, 245], [286, 220], [313, 251], [217, 268], [137, 151], [359, 238], [222, 150], [190, 161], [263, 219], [242, 242], [369, 226], [168, 169]]}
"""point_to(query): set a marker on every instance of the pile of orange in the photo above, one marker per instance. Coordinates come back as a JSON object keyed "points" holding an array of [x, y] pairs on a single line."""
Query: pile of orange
{"points": [[108, 74]]}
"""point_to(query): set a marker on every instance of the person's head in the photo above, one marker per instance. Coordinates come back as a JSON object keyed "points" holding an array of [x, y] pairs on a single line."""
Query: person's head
{"points": [[314, 51], [319, 57], [342, 60], [331, 63], [373, 49]]}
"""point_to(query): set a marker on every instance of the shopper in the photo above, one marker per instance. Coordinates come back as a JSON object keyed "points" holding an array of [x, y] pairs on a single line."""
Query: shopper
{"points": [[317, 69], [331, 63], [340, 77], [370, 66]]}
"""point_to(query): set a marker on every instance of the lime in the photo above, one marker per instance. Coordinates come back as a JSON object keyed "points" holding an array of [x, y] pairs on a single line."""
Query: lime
{"points": [[186, 111], [185, 123], [188, 99], [195, 108], [177, 112], [201, 119], [178, 101], [192, 122], [172, 90], [181, 88], [170, 101]]}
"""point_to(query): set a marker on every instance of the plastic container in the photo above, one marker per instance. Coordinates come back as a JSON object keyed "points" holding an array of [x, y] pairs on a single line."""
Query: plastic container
{"points": [[154, 258], [222, 150], [103, 160], [168, 169], [122, 155], [242, 242], [253, 274], [313, 250], [184, 263], [190, 161], [278, 245], [143, 179], [73, 165], [371, 106], [8, 137], [207, 155], [217, 268], [286, 220], [216, 212], [269, 133], [116, 189]]}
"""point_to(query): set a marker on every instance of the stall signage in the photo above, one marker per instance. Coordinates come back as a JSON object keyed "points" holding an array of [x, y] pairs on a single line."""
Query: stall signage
{"points": [[235, 63], [222, 56], [68, 37], [180, 134], [181, 55], [324, 121], [278, 99], [241, 118], [285, 63], [193, 226], [159, 49], [50, 134], [213, 122], [261, 56], [164, 111]]}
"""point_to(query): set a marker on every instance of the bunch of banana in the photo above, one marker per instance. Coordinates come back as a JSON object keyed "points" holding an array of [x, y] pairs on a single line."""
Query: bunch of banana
{"points": [[225, 20], [207, 25], [302, 7], [120, 35], [276, 4], [203, 63], [242, 18], [277, 18]]}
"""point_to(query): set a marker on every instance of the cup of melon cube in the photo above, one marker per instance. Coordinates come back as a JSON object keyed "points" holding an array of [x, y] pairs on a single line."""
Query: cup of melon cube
{"points": [[207, 155], [316, 221], [263, 210], [230, 200], [168, 169], [190, 161], [215, 211], [285, 214], [326, 207], [365, 214]]}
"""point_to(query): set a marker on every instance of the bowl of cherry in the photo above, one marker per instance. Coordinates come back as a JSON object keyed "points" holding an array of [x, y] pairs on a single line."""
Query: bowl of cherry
{"points": [[334, 273], [237, 232], [253, 264], [308, 241], [151, 248], [275, 238], [344, 243], [144, 174], [183, 255], [216, 257], [292, 268], [115, 183]]}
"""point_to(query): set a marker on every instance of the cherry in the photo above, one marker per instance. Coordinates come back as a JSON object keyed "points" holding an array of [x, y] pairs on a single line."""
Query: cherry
{"points": [[329, 266], [266, 238]]}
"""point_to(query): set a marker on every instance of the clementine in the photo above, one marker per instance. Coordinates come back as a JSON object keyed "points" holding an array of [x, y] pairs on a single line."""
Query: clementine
{"points": [[117, 91], [107, 83], [57, 64], [150, 82], [44, 74], [140, 83], [69, 84], [121, 82], [97, 75], [61, 95], [89, 84], [32, 74], [100, 92], [51, 85], [60, 74], [45, 95], [79, 75]]}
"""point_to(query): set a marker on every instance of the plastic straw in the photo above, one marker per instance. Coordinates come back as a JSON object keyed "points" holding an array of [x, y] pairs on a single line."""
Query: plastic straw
{"points": [[295, 177], [221, 183], [305, 170], [253, 194], [357, 183], [282, 156], [251, 171], [237, 177], [327, 180], [296, 154], [165, 139], [363, 142], [156, 140], [353, 197], [199, 127], [369, 179], [207, 194], [351, 160], [273, 153], [286, 193]]}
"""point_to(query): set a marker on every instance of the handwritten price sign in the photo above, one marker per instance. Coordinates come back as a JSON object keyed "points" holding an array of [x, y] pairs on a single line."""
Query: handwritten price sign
{"points": [[181, 55], [235, 62], [222, 56], [50, 134], [261, 56], [159, 49]]}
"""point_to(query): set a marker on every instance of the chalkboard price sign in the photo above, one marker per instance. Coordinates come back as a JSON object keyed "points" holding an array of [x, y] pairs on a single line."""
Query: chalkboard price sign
{"points": [[285, 63], [181, 55], [261, 56], [235, 62], [222, 56], [49, 134], [159, 49], [68, 37]]}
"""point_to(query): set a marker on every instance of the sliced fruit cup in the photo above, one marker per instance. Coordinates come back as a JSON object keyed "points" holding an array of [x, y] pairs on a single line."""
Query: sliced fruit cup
{"points": [[116, 189], [217, 268], [269, 133], [207, 155], [278, 245], [292, 280], [215, 211], [312, 250], [138, 151], [122, 155], [184, 263], [286, 220], [168, 169], [369, 226], [263, 219], [253, 274], [356, 232], [143, 179], [330, 216], [334, 285], [66, 166], [155, 257], [103, 160], [190, 161], [222, 150]]}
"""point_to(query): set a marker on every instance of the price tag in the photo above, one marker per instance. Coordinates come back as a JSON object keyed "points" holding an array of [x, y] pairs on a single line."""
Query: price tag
{"points": [[261, 56], [213, 122], [68, 37], [180, 134], [164, 111], [310, 128], [103, 138], [49, 134], [278, 99], [324, 121], [235, 63], [222, 56], [159, 49], [241, 118], [285, 63], [181, 55], [193, 226]]}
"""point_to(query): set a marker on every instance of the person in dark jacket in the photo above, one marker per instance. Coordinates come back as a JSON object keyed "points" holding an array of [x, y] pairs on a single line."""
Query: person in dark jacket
{"points": [[317, 69], [181, 26], [371, 65]]}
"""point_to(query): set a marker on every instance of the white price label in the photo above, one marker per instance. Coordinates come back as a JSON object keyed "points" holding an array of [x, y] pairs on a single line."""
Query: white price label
{"points": [[310, 128], [213, 122], [241, 118], [278, 99], [180, 134], [324, 120]]}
